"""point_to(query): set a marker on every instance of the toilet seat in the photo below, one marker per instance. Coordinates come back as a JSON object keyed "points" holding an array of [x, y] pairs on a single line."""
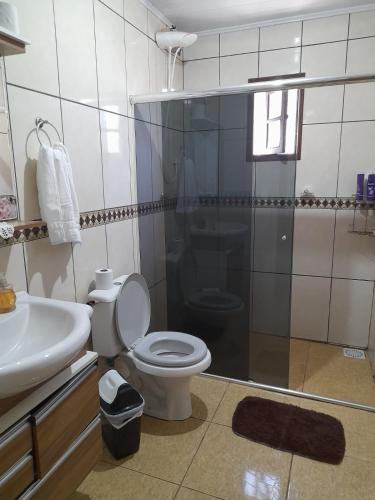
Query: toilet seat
{"points": [[170, 349], [133, 310], [160, 349]]}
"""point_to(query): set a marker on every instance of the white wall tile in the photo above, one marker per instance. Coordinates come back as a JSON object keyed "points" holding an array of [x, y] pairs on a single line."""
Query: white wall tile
{"points": [[279, 62], [120, 247], [357, 155], [310, 307], [361, 56], [323, 105], [4, 119], [6, 165], [116, 159], [362, 24], [137, 61], [154, 25], [158, 68], [76, 50], [359, 102], [205, 46], [201, 74], [354, 254], [50, 269], [136, 13], [239, 42], [82, 138], [280, 36], [326, 29], [318, 166], [25, 106], [12, 264], [116, 5], [236, 70], [324, 60], [350, 312], [37, 69], [179, 76], [110, 50], [313, 242], [89, 256]]}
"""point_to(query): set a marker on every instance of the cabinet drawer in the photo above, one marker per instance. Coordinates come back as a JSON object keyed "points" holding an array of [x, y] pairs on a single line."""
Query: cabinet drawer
{"points": [[14, 445], [58, 424], [17, 479], [69, 472]]}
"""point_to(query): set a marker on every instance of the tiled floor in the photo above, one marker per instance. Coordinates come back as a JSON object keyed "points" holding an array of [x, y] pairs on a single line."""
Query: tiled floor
{"points": [[201, 458], [323, 369]]}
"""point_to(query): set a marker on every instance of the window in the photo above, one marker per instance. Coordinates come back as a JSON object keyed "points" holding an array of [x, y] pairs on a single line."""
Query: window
{"points": [[275, 123]]}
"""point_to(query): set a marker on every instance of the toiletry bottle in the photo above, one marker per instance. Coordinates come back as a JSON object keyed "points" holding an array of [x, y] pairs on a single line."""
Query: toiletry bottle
{"points": [[360, 187], [7, 296], [371, 187]]}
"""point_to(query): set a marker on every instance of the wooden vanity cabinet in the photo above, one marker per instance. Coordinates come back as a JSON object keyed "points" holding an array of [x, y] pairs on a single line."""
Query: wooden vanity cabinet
{"points": [[49, 453]]}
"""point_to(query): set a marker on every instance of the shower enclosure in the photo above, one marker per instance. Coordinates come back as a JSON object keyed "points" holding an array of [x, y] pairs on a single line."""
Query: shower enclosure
{"points": [[216, 182], [228, 247]]}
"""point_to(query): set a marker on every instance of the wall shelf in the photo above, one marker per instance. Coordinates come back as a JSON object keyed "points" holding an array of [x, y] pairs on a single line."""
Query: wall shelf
{"points": [[10, 45]]}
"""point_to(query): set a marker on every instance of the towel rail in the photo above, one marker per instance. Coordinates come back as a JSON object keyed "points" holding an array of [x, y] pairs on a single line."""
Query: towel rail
{"points": [[39, 124]]}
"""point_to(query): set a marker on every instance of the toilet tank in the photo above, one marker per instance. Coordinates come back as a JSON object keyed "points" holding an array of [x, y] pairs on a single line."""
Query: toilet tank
{"points": [[103, 322]]}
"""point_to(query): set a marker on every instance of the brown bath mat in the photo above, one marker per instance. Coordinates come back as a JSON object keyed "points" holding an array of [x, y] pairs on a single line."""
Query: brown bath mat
{"points": [[290, 428]]}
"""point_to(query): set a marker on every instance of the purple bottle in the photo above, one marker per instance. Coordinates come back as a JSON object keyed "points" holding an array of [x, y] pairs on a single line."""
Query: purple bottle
{"points": [[360, 187], [371, 187]]}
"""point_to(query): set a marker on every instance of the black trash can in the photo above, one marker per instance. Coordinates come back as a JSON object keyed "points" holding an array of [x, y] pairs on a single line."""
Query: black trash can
{"points": [[121, 410]]}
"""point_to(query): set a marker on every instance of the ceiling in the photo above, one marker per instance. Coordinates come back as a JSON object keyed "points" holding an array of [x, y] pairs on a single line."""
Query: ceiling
{"points": [[202, 15]]}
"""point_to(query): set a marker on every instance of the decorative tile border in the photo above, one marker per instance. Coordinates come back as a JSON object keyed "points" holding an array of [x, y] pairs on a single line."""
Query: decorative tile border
{"points": [[38, 229], [275, 202]]}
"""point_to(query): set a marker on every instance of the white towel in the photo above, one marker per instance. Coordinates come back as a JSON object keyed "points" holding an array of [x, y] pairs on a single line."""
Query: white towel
{"points": [[57, 196]]}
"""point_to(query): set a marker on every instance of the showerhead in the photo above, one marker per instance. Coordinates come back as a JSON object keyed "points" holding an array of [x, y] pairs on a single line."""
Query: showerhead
{"points": [[175, 39]]}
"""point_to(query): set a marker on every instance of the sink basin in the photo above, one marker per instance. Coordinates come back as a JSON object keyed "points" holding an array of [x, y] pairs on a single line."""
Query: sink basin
{"points": [[38, 339]]}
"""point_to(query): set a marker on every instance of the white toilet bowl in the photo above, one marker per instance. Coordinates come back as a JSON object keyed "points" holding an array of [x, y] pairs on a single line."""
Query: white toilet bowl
{"points": [[160, 365]]}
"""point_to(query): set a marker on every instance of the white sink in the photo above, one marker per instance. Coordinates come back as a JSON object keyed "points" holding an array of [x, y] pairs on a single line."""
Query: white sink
{"points": [[38, 339]]}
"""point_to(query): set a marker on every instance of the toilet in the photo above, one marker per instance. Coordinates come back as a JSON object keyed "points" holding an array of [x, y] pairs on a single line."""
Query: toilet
{"points": [[161, 364]]}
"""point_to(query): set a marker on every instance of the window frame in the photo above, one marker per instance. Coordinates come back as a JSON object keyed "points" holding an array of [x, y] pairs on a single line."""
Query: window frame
{"points": [[276, 156]]}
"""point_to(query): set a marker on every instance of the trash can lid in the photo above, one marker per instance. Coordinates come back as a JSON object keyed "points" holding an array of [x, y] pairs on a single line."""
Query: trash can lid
{"points": [[117, 396]]}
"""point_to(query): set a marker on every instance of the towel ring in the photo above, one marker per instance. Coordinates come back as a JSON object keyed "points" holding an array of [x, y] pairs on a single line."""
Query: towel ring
{"points": [[39, 123]]}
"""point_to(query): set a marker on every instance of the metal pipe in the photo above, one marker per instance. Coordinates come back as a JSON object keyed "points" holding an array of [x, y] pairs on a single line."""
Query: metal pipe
{"points": [[263, 86], [291, 392]]}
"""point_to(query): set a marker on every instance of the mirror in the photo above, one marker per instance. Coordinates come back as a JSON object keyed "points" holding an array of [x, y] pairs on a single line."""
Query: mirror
{"points": [[8, 200]]}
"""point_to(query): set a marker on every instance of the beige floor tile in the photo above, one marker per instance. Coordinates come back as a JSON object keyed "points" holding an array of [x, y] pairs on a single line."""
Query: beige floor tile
{"points": [[232, 467], [353, 479], [167, 448], [298, 356], [236, 392], [330, 373], [115, 483], [206, 394], [358, 425], [187, 494]]}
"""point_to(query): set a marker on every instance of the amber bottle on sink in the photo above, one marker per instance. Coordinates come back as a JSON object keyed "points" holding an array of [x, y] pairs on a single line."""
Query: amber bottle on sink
{"points": [[7, 296]]}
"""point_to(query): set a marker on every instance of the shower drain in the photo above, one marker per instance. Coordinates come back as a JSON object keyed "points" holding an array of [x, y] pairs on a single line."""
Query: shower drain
{"points": [[354, 353]]}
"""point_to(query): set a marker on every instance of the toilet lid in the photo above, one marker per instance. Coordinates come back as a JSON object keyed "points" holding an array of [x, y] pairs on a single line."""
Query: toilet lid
{"points": [[133, 310]]}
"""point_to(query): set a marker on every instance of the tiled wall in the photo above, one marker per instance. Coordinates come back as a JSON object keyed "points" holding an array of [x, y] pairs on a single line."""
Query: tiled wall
{"points": [[85, 58], [333, 270]]}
